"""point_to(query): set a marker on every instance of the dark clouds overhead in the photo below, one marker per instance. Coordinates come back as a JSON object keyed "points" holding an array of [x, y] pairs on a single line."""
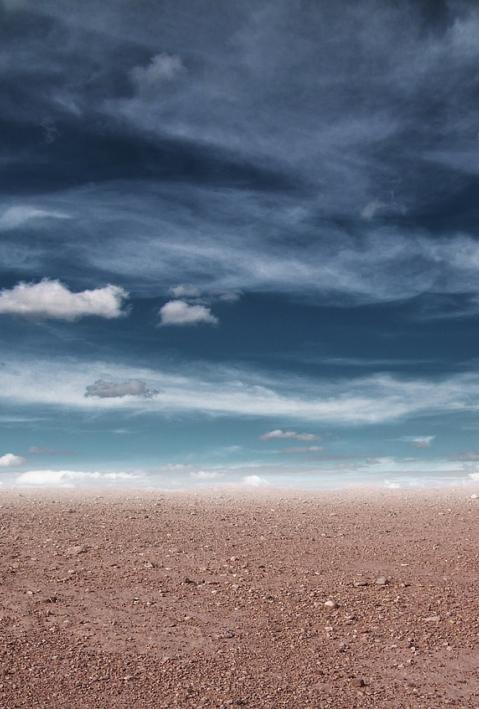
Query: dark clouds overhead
{"points": [[199, 131]]}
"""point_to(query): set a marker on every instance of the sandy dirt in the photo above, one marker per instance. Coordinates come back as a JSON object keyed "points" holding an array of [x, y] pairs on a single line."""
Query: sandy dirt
{"points": [[175, 600]]}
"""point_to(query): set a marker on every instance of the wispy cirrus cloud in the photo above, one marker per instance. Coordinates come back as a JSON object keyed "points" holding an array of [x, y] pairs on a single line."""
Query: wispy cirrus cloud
{"points": [[380, 263], [233, 392], [18, 215], [236, 188]]}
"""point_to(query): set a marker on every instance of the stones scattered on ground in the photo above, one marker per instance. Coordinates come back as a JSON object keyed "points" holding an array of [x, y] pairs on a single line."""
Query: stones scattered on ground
{"points": [[271, 635], [381, 581]]}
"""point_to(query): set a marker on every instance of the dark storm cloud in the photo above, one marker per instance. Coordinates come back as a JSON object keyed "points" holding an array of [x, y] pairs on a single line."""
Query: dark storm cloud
{"points": [[309, 148]]}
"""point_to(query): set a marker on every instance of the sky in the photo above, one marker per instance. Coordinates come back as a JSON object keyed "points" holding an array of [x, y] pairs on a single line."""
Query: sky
{"points": [[239, 242]]}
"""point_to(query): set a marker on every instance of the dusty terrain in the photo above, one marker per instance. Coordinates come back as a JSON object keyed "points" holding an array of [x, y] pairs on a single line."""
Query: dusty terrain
{"points": [[162, 600]]}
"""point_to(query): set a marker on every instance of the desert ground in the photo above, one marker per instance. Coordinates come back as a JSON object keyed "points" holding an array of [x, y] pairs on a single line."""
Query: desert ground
{"points": [[357, 599]]}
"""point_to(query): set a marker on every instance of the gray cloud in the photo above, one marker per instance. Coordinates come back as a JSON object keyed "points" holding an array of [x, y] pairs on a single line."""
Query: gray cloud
{"points": [[471, 456], [185, 291], [111, 389], [289, 435], [161, 68]]}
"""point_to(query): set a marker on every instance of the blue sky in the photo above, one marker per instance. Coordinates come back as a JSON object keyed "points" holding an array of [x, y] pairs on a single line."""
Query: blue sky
{"points": [[238, 243]]}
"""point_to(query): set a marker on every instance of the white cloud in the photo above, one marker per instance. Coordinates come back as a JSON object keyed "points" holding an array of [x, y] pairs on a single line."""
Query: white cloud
{"points": [[392, 485], [206, 475], [68, 478], [162, 68], [303, 449], [51, 299], [474, 476], [178, 312], [18, 215], [291, 435], [420, 441], [185, 291], [10, 459], [254, 481], [111, 389]]}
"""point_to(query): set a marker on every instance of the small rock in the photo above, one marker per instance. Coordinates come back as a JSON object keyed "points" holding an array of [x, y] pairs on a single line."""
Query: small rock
{"points": [[76, 550], [433, 619], [474, 496], [358, 682], [225, 635], [381, 581], [331, 604], [358, 584]]}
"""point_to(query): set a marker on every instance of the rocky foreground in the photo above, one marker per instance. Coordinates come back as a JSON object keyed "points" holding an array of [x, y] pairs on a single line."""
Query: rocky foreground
{"points": [[160, 600]]}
